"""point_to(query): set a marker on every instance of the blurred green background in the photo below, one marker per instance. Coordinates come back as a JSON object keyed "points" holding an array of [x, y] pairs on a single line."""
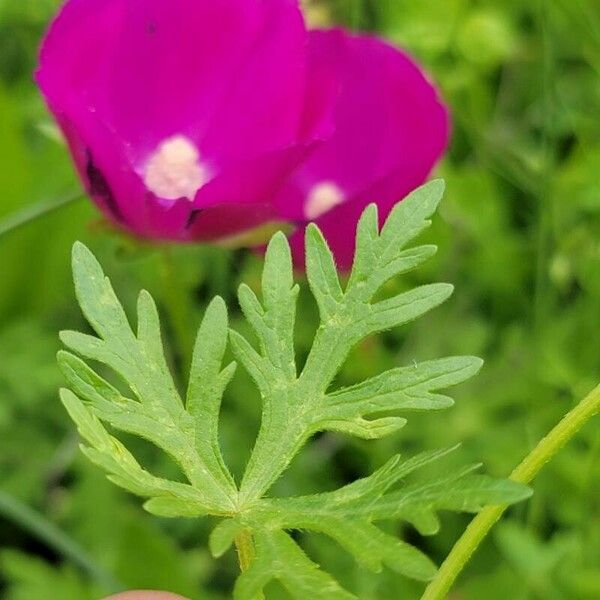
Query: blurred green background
{"points": [[519, 236]]}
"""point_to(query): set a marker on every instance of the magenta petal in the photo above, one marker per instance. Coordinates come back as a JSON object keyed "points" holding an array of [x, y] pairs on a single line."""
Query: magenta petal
{"points": [[390, 129], [197, 119], [231, 78], [262, 109], [155, 68], [236, 200], [246, 190]]}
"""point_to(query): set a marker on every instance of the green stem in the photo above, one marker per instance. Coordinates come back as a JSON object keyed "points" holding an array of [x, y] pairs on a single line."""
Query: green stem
{"points": [[246, 552], [35, 211], [244, 545], [40, 527], [524, 473]]}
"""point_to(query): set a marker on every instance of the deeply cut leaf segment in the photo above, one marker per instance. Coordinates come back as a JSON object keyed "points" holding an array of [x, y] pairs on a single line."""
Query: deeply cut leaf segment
{"points": [[296, 404]]}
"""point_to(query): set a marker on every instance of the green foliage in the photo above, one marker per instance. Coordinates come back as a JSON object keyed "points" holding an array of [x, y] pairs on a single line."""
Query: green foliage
{"points": [[32, 578], [297, 402], [518, 235], [188, 436]]}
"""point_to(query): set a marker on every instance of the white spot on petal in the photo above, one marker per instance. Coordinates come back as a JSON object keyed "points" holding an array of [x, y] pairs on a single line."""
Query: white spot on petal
{"points": [[322, 198], [174, 170]]}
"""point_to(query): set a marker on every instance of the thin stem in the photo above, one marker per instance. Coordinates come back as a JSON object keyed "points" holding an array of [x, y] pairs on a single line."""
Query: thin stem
{"points": [[35, 211], [244, 545], [39, 526], [246, 552], [524, 473]]}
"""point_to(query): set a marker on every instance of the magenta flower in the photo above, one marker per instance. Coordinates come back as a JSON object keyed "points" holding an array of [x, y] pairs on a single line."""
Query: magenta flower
{"points": [[390, 130], [184, 116], [199, 119]]}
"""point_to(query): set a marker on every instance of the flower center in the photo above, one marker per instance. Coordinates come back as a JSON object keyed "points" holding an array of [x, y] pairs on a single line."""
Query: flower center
{"points": [[322, 198], [174, 170]]}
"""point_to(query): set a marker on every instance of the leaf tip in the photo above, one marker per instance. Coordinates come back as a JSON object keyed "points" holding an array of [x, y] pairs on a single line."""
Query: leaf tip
{"points": [[145, 297], [217, 307], [81, 254], [62, 356], [446, 290], [519, 492], [278, 242], [79, 249], [65, 361], [369, 220], [70, 401], [313, 229], [438, 186], [476, 364]]}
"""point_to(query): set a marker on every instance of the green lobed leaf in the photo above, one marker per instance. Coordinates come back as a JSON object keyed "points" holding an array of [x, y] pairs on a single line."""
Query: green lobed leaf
{"points": [[157, 413], [404, 388], [347, 514], [295, 405], [122, 468], [322, 274]]}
